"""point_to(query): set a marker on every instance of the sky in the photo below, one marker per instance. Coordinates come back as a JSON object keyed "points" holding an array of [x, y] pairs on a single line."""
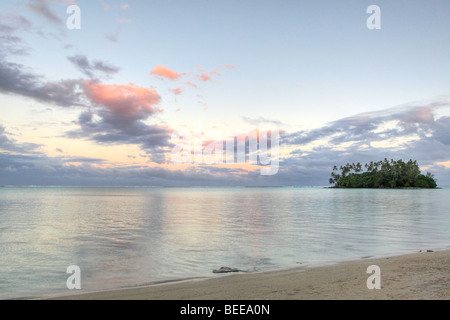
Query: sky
{"points": [[118, 100]]}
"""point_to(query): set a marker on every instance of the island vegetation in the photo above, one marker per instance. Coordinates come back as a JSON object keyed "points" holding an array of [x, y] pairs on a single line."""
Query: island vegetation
{"points": [[381, 174]]}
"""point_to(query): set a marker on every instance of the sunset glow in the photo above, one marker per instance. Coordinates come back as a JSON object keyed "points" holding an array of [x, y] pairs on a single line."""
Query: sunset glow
{"points": [[110, 95]]}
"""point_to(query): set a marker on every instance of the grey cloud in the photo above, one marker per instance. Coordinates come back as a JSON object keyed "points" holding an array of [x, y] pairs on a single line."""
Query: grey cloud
{"points": [[311, 170], [441, 130], [432, 145], [11, 44], [113, 129], [14, 79], [83, 160], [8, 144], [11, 23], [42, 8], [112, 37], [411, 119], [94, 69], [42, 170]]}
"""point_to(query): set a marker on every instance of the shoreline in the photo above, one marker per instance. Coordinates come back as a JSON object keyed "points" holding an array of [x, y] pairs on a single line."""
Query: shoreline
{"points": [[423, 275]]}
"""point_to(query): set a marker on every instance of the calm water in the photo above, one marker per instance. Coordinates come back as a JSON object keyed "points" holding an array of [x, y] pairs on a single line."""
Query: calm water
{"points": [[133, 236]]}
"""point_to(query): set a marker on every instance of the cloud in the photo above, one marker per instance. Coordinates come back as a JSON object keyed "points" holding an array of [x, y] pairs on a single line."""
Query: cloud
{"points": [[110, 129], [201, 75], [226, 66], [164, 72], [10, 43], [94, 69], [154, 140], [176, 91], [113, 37], [413, 131], [51, 171], [40, 169], [12, 22], [8, 144], [204, 77], [125, 6], [302, 166], [263, 121], [118, 118], [306, 165], [42, 8], [207, 77], [14, 79], [82, 160], [191, 84], [126, 101], [415, 118], [117, 111]]}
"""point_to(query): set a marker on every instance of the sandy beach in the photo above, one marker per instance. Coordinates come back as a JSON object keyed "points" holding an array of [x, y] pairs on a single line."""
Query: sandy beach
{"points": [[424, 275]]}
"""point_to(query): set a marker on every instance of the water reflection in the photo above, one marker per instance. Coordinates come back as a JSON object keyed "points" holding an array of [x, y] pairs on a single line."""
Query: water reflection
{"points": [[132, 236]]}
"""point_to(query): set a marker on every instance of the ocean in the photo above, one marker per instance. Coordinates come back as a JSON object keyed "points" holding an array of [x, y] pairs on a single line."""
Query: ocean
{"points": [[122, 237]]}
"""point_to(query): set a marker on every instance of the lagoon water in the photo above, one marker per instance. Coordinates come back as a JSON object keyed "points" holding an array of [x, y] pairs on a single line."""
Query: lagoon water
{"points": [[135, 236]]}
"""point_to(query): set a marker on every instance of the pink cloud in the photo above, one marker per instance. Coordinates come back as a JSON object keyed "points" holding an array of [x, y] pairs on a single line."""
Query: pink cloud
{"points": [[207, 77], [129, 101], [176, 91], [229, 66], [191, 84], [204, 77], [125, 6], [159, 70]]}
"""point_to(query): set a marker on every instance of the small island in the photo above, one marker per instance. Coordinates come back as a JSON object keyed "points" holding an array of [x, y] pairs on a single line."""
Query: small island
{"points": [[381, 174]]}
